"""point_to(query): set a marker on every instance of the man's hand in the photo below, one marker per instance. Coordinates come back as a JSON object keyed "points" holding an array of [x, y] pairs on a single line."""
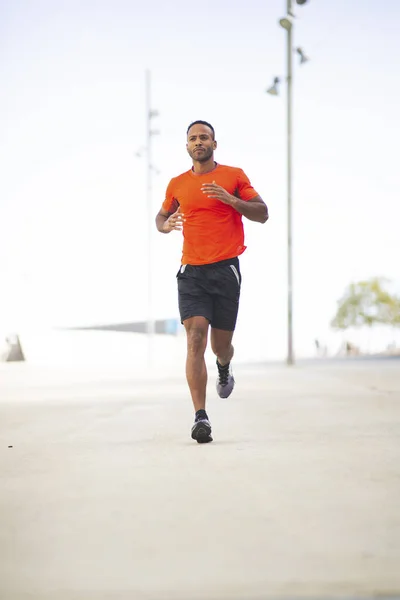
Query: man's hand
{"points": [[174, 222], [216, 191]]}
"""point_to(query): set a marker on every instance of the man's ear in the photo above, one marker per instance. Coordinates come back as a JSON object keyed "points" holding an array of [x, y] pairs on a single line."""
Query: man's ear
{"points": [[215, 144]]}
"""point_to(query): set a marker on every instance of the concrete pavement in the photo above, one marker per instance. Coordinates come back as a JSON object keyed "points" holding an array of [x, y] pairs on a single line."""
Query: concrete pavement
{"points": [[104, 496]]}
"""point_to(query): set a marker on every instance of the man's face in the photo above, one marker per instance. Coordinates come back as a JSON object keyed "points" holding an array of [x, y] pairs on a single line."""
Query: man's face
{"points": [[200, 143]]}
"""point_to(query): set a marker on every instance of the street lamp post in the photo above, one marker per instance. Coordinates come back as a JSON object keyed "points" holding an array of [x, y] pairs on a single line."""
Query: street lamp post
{"points": [[149, 185], [289, 68], [287, 24], [150, 114], [146, 151]]}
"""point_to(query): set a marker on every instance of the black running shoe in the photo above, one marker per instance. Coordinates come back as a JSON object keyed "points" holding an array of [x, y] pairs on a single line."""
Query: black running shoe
{"points": [[201, 431]]}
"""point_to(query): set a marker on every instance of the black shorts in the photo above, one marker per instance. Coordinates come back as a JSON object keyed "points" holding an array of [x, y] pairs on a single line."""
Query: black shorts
{"points": [[211, 291]]}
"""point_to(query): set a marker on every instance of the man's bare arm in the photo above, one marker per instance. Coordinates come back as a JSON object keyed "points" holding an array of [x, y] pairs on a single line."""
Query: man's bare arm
{"points": [[167, 222], [254, 209]]}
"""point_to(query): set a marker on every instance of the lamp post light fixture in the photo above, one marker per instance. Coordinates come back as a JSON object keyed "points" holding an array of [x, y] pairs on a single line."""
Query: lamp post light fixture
{"points": [[303, 57], [274, 90], [286, 22]]}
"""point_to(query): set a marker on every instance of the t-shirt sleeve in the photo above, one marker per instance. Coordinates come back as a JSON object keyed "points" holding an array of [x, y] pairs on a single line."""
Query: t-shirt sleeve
{"points": [[170, 203], [244, 188]]}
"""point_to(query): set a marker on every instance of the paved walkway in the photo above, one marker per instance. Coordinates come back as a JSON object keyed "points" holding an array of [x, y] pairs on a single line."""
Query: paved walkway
{"points": [[104, 496]]}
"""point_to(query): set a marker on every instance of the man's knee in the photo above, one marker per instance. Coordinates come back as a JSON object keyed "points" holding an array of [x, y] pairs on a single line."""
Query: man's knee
{"points": [[196, 333], [196, 340]]}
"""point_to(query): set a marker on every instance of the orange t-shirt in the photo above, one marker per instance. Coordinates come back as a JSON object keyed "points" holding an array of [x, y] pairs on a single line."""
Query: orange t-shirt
{"points": [[212, 230]]}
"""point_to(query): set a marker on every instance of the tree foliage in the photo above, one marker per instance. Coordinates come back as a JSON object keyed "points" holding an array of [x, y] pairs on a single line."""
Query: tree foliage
{"points": [[366, 303]]}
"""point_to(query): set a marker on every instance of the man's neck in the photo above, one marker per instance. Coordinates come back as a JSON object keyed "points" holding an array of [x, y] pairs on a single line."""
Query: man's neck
{"points": [[203, 167]]}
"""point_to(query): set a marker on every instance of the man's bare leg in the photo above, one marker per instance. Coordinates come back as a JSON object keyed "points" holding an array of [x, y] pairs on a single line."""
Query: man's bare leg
{"points": [[196, 375], [196, 370], [221, 344]]}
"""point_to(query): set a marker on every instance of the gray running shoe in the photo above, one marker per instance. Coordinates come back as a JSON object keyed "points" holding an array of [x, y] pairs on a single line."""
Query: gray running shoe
{"points": [[225, 382]]}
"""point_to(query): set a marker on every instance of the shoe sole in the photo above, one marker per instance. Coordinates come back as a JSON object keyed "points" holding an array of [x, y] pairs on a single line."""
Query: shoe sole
{"points": [[201, 433]]}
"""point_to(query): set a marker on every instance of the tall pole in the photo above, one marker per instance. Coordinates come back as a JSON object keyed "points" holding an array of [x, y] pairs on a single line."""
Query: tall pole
{"points": [[150, 328], [289, 50]]}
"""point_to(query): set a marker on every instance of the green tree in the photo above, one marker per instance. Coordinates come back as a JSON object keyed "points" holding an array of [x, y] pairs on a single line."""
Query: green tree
{"points": [[366, 303]]}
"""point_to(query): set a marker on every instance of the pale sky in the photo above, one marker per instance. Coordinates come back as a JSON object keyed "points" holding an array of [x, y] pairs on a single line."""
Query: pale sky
{"points": [[73, 215]]}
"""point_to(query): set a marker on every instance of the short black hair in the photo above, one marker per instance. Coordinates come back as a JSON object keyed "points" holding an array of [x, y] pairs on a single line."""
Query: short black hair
{"points": [[199, 122]]}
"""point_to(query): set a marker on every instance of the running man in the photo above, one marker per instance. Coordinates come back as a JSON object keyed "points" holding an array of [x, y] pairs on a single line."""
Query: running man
{"points": [[207, 203]]}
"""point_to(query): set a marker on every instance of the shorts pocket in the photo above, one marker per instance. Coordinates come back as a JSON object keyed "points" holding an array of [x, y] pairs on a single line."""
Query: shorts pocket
{"points": [[181, 271], [236, 273]]}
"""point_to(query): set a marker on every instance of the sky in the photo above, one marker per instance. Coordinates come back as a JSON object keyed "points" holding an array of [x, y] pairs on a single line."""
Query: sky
{"points": [[74, 218]]}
